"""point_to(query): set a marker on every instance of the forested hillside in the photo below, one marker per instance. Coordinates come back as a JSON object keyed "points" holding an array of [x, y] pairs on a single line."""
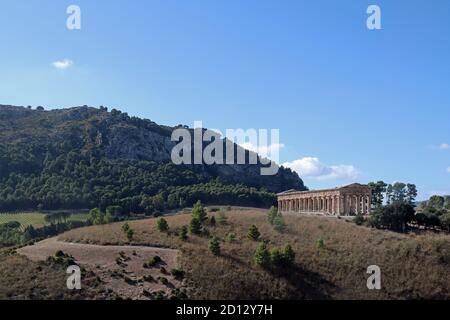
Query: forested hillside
{"points": [[85, 157]]}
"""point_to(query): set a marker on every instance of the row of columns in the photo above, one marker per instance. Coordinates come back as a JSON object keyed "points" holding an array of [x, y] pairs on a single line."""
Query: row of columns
{"points": [[336, 205]]}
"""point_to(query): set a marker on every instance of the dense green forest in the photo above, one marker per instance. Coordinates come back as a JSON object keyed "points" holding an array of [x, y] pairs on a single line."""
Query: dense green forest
{"points": [[71, 181], [82, 158]]}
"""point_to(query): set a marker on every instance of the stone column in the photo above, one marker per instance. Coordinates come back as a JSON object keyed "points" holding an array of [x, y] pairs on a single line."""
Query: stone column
{"points": [[333, 203], [369, 204], [357, 205]]}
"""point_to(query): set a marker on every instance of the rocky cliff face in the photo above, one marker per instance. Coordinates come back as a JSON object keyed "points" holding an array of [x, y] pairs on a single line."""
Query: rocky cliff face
{"points": [[116, 136]]}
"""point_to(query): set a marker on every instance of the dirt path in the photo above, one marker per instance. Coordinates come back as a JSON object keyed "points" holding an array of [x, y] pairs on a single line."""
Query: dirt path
{"points": [[121, 268]]}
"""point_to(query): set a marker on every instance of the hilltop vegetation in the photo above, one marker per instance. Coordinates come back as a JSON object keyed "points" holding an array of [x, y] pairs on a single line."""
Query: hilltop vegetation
{"points": [[85, 157], [330, 256]]}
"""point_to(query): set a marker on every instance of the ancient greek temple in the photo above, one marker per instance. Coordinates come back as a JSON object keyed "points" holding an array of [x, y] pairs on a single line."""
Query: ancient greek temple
{"points": [[345, 201]]}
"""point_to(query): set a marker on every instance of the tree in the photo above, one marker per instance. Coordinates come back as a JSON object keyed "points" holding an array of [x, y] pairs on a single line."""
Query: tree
{"points": [[447, 202], [411, 193], [183, 233], [125, 227], [394, 217], [199, 212], [436, 202], [214, 246], [195, 227], [398, 192], [262, 256], [445, 221], [278, 223], [289, 255], [114, 211], [272, 214], [276, 257], [129, 234], [253, 233], [359, 219], [96, 217], [108, 218], [378, 189], [162, 225]]}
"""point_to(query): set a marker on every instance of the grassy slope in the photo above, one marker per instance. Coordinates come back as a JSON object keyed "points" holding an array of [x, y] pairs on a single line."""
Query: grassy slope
{"points": [[21, 278], [35, 219], [412, 266]]}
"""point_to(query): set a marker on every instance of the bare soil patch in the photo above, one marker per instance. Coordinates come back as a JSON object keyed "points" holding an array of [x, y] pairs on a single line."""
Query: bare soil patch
{"points": [[120, 268]]}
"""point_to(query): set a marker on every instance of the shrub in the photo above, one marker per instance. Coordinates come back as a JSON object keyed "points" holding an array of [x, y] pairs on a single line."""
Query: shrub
{"points": [[153, 262], [221, 217], [195, 227], [163, 280], [359, 220], [231, 237], [253, 233], [214, 246], [178, 274], [278, 223], [199, 212], [212, 222], [273, 212], [276, 257], [125, 227], [262, 256], [320, 244], [289, 255], [162, 225], [130, 234], [183, 233], [445, 221]]}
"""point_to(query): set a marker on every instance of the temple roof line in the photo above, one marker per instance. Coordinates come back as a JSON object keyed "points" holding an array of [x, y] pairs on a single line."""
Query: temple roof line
{"points": [[292, 191]]}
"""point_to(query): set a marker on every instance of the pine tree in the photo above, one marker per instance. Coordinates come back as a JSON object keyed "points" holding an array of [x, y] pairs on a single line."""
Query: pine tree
{"points": [[214, 246], [162, 225], [289, 255], [130, 234], [199, 212], [276, 257], [183, 233], [195, 227], [261, 257], [125, 227], [273, 212], [278, 223], [253, 233]]}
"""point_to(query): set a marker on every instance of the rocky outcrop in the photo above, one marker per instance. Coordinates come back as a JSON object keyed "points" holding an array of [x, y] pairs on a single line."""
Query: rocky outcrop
{"points": [[116, 136]]}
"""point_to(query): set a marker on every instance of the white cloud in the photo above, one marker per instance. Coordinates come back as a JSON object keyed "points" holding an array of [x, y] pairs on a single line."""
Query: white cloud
{"points": [[448, 169], [442, 146], [267, 150], [312, 168], [62, 64]]}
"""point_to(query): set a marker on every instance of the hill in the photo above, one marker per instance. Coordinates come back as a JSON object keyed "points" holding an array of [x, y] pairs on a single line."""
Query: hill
{"points": [[84, 157], [412, 266]]}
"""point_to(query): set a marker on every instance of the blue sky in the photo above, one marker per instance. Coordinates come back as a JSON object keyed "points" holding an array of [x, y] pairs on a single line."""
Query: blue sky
{"points": [[351, 104]]}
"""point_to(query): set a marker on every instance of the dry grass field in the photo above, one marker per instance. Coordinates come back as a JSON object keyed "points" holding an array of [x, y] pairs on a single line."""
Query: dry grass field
{"points": [[119, 268], [413, 266]]}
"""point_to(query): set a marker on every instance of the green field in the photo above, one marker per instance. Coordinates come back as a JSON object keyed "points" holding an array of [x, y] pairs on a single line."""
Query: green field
{"points": [[35, 218]]}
